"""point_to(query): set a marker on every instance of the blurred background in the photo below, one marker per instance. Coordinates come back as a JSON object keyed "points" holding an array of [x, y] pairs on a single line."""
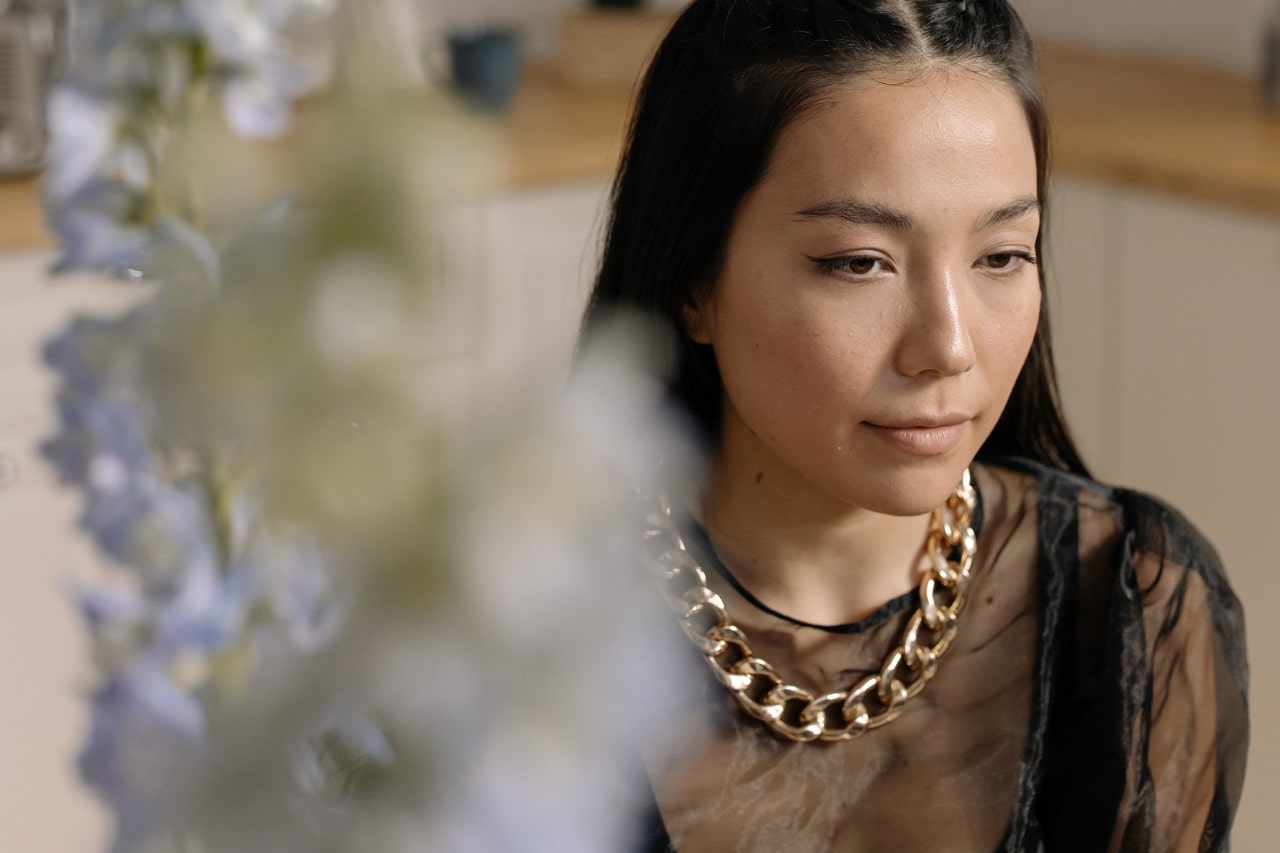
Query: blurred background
{"points": [[1164, 257]]}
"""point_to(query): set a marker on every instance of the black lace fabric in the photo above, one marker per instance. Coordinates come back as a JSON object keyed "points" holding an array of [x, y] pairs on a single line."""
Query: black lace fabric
{"points": [[1094, 700]]}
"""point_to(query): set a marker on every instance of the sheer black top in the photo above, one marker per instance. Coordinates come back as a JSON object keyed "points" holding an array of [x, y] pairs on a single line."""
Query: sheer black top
{"points": [[1094, 699]]}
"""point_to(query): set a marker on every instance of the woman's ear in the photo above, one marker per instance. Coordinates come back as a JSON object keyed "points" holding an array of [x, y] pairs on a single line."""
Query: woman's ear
{"points": [[696, 320]]}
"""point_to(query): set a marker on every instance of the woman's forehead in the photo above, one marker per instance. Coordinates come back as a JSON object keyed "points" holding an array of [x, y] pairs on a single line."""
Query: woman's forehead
{"points": [[937, 135]]}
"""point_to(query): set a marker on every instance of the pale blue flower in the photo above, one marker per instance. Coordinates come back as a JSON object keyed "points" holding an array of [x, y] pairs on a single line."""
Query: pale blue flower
{"points": [[97, 184], [83, 133], [105, 441], [144, 733], [95, 237], [180, 597], [299, 583], [103, 402], [131, 52], [254, 107], [107, 609], [134, 67]]}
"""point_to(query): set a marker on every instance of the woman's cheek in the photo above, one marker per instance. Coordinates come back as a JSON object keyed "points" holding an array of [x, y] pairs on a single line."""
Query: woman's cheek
{"points": [[1030, 320], [1017, 337]]}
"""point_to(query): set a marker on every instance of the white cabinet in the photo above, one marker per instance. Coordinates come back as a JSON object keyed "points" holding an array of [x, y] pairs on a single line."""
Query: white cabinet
{"points": [[1164, 314], [1200, 418], [1169, 356], [539, 250]]}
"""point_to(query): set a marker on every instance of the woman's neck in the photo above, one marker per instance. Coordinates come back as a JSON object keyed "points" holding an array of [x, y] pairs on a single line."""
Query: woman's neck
{"points": [[805, 553]]}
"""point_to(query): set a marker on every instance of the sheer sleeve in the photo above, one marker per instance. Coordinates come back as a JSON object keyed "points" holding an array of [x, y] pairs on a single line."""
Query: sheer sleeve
{"points": [[1139, 714], [1187, 761]]}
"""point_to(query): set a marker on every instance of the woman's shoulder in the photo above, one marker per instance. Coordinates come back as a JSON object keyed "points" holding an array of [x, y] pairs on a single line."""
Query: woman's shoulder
{"points": [[1139, 632], [1067, 503], [1110, 548]]}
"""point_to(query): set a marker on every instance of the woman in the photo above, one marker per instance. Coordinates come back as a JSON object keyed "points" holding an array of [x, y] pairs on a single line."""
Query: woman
{"points": [[836, 206]]}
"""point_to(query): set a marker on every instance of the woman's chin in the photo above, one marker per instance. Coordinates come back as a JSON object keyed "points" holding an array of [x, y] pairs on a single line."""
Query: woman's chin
{"points": [[915, 491]]}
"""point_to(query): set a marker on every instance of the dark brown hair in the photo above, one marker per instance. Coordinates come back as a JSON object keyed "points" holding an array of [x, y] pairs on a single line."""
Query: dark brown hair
{"points": [[725, 82]]}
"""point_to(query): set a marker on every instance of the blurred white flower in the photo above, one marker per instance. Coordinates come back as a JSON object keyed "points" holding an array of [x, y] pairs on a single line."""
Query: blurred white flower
{"points": [[340, 618], [267, 54], [359, 307], [508, 713]]}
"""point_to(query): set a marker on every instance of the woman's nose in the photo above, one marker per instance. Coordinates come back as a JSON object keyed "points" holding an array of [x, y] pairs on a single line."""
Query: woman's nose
{"points": [[936, 332]]}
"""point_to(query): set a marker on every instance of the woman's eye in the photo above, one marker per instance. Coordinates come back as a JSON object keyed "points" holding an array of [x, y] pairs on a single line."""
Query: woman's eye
{"points": [[859, 265], [1007, 261]]}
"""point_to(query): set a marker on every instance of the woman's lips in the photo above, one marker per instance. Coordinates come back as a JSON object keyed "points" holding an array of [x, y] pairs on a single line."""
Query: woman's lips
{"points": [[925, 440]]}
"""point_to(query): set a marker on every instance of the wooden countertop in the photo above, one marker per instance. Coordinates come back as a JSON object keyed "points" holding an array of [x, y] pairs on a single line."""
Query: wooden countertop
{"points": [[1159, 125], [1134, 122], [21, 221]]}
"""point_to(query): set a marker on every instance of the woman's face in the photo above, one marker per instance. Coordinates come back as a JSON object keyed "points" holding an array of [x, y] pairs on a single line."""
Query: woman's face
{"points": [[878, 294]]}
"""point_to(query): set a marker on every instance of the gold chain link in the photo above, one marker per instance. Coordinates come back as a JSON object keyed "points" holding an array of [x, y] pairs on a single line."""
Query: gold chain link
{"points": [[789, 710]]}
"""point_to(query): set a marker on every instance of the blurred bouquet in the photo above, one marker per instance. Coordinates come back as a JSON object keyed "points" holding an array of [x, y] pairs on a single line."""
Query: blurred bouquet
{"points": [[359, 598]]}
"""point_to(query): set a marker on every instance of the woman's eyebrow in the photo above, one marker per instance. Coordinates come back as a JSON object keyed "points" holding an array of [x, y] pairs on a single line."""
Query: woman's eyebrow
{"points": [[870, 213], [860, 213], [1010, 212]]}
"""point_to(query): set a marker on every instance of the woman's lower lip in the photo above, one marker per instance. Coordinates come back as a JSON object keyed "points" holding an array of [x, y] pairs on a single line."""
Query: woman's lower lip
{"points": [[922, 441]]}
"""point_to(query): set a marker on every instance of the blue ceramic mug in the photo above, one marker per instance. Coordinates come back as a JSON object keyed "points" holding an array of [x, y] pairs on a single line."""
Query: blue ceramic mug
{"points": [[485, 66]]}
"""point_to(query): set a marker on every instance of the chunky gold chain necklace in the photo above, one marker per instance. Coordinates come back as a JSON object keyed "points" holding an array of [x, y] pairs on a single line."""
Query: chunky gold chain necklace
{"points": [[789, 710]]}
